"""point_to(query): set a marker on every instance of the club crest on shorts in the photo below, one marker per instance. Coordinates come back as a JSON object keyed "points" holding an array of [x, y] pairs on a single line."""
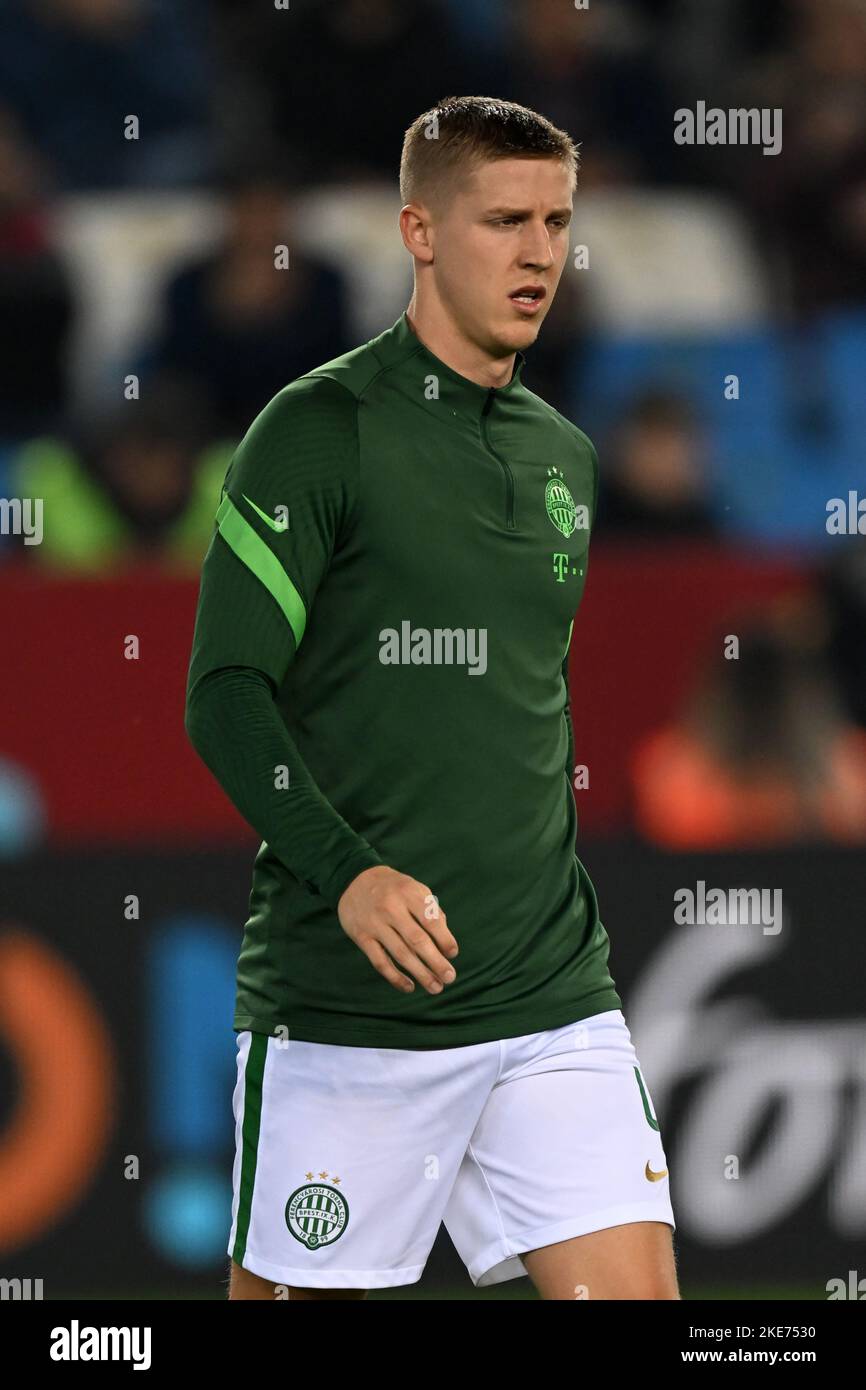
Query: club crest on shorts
{"points": [[560, 503], [317, 1214]]}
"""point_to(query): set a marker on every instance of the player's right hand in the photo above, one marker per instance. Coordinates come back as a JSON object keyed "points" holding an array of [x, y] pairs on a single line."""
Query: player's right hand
{"points": [[394, 918]]}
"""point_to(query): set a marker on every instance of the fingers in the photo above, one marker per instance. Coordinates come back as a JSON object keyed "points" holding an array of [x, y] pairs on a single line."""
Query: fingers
{"points": [[431, 917], [398, 922], [411, 948], [416, 942], [380, 961], [401, 940]]}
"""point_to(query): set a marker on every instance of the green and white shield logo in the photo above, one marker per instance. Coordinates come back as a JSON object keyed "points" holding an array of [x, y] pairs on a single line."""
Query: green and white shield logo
{"points": [[317, 1214], [560, 506]]}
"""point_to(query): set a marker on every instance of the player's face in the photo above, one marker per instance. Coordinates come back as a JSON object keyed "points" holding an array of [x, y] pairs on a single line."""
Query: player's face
{"points": [[506, 230]]}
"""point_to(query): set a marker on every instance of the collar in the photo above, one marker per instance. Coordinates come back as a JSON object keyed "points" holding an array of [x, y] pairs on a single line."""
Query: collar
{"points": [[462, 395]]}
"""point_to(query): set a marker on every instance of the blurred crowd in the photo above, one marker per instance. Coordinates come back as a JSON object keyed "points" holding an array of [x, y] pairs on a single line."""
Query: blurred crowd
{"points": [[258, 106], [255, 108], [769, 747]]}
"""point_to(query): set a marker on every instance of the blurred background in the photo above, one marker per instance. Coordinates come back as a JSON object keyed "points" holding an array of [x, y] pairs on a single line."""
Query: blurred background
{"points": [[710, 336]]}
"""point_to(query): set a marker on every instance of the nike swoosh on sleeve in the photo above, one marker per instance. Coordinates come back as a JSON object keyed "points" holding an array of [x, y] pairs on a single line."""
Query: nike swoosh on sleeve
{"points": [[274, 525]]}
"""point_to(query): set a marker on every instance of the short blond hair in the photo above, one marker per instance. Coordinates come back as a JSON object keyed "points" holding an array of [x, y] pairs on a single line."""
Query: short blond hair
{"points": [[443, 146]]}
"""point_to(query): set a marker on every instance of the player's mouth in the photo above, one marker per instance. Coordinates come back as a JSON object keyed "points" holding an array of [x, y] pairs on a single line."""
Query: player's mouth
{"points": [[528, 298]]}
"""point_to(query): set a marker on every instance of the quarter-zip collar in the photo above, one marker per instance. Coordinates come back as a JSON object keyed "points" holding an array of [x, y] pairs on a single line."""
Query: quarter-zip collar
{"points": [[462, 396]]}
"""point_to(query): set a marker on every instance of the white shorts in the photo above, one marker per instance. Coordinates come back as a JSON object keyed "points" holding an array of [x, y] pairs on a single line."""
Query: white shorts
{"points": [[348, 1158]]}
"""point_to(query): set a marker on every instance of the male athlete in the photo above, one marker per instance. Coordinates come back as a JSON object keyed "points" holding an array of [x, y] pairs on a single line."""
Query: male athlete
{"points": [[427, 1029]]}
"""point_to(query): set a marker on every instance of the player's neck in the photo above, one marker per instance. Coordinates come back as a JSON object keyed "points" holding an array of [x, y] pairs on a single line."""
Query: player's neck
{"points": [[440, 335]]}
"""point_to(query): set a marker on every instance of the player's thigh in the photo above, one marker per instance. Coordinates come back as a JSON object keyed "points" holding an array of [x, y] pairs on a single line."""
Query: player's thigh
{"points": [[635, 1261], [245, 1284]]}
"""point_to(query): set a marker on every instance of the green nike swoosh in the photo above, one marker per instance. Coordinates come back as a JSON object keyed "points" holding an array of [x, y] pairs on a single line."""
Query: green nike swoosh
{"points": [[274, 525]]}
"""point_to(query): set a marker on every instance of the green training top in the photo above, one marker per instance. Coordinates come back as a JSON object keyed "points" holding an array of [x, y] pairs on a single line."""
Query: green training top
{"points": [[378, 675]]}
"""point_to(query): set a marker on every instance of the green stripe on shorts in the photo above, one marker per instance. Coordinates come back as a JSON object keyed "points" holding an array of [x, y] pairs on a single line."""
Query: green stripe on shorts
{"points": [[254, 1072], [650, 1117]]}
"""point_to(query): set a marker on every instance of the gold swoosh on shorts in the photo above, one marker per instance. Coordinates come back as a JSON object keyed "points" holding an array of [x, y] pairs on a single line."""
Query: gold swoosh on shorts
{"points": [[654, 1177]]}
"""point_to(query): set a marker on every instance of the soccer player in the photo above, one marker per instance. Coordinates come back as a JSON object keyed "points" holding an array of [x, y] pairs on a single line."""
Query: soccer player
{"points": [[427, 1028]]}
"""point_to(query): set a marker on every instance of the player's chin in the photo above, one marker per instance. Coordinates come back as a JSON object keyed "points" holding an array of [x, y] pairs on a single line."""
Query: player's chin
{"points": [[520, 332]]}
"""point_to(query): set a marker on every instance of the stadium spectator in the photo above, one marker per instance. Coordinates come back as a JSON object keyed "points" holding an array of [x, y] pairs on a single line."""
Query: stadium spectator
{"points": [[241, 327], [142, 483], [654, 482], [592, 70], [763, 754], [811, 198], [36, 301], [74, 71], [316, 77]]}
